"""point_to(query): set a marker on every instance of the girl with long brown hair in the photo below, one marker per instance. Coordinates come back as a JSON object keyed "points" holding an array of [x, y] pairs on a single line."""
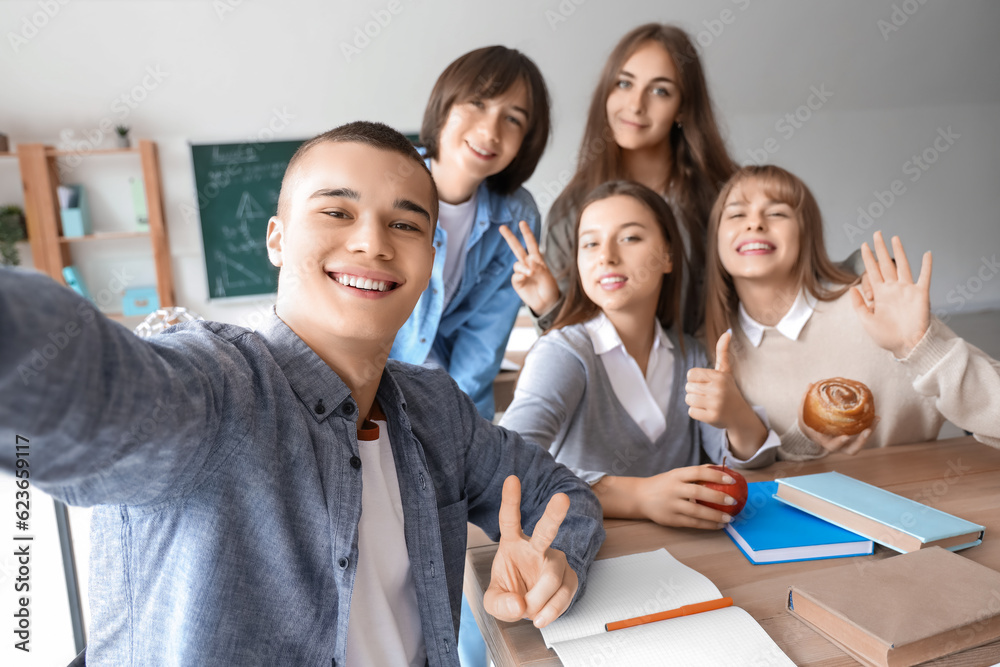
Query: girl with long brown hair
{"points": [[651, 121], [616, 391]]}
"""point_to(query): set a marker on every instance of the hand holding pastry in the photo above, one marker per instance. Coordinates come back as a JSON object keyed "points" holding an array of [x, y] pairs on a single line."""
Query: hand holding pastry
{"points": [[898, 311], [838, 414], [532, 279]]}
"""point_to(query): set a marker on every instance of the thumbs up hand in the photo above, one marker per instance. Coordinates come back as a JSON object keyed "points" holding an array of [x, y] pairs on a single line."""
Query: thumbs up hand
{"points": [[714, 398], [712, 394]]}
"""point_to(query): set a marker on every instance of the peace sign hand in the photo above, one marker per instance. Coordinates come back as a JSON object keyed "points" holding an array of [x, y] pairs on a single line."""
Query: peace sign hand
{"points": [[532, 279], [529, 579]]}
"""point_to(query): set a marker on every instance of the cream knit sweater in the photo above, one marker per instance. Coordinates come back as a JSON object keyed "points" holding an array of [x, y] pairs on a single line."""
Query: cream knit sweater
{"points": [[943, 378]]}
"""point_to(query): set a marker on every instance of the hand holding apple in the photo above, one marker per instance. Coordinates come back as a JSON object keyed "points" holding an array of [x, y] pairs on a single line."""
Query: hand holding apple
{"points": [[737, 491], [686, 497]]}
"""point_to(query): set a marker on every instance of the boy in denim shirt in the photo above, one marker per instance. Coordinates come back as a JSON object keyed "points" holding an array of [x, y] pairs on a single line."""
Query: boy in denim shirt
{"points": [[287, 496]]}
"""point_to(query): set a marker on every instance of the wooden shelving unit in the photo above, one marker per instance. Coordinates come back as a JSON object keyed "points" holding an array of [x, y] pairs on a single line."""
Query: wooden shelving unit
{"points": [[51, 250]]}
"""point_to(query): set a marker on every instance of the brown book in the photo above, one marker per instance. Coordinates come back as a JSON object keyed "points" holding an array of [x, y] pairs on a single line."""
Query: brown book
{"points": [[902, 610]]}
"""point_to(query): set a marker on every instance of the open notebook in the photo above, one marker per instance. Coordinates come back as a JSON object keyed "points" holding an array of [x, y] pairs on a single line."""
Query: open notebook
{"points": [[646, 583]]}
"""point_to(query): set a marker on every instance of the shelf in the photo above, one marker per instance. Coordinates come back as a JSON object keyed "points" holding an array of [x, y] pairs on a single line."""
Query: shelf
{"points": [[7, 154], [51, 152], [52, 252], [103, 236]]}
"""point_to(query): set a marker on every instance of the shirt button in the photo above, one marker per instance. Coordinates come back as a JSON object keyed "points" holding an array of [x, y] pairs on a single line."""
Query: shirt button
{"points": [[423, 340], [343, 563], [320, 408], [355, 462], [348, 409]]}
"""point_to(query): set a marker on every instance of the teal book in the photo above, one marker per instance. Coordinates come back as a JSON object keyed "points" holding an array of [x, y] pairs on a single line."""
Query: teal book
{"points": [[74, 281], [769, 531], [889, 519]]}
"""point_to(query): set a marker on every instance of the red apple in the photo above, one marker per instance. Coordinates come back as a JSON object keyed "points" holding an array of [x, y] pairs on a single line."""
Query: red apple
{"points": [[738, 491]]}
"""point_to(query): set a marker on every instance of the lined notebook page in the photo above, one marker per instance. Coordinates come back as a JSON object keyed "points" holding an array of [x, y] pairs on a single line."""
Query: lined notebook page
{"points": [[630, 586], [727, 636]]}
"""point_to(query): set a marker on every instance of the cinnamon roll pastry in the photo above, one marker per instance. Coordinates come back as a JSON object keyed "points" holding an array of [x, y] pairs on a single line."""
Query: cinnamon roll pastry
{"points": [[838, 406]]}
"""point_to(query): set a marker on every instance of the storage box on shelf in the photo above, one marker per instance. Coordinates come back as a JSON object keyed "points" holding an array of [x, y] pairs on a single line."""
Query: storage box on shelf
{"points": [[51, 249]]}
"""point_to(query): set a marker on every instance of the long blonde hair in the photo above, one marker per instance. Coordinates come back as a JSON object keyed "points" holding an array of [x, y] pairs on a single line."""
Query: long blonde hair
{"points": [[815, 269]]}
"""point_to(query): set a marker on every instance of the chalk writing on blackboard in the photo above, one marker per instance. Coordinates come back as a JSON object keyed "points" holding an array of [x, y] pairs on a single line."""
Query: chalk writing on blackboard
{"points": [[238, 186]]}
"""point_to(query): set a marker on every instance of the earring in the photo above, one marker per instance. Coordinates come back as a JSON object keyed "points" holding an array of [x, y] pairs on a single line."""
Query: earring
{"points": [[680, 126]]}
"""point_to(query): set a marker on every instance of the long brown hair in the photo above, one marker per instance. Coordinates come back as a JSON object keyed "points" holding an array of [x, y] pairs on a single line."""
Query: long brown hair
{"points": [[579, 308], [700, 160], [815, 269], [487, 73]]}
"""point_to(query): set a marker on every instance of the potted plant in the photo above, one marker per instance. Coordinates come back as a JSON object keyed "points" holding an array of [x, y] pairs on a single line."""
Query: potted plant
{"points": [[123, 139], [12, 230]]}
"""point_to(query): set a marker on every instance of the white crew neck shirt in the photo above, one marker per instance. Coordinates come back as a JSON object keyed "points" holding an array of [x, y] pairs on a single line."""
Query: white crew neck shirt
{"points": [[456, 221], [384, 624]]}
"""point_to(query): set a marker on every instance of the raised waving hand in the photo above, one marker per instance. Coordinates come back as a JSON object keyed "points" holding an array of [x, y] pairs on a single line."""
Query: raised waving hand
{"points": [[897, 311]]}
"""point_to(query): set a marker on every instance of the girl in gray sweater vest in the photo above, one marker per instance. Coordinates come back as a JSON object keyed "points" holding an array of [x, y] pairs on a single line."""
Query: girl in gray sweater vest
{"points": [[616, 393]]}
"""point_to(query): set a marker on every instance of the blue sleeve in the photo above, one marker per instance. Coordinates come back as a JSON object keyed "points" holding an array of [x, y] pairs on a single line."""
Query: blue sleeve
{"points": [[481, 339], [111, 417]]}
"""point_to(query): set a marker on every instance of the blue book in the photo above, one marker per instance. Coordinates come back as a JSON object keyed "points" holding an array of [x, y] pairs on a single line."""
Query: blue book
{"points": [[889, 519], [769, 531]]}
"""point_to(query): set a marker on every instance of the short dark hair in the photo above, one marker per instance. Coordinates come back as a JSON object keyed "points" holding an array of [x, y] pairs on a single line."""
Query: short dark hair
{"points": [[487, 73], [376, 135]]}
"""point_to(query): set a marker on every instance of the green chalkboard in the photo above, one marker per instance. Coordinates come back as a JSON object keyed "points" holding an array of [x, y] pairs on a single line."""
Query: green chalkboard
{"points": [[238, 188]]}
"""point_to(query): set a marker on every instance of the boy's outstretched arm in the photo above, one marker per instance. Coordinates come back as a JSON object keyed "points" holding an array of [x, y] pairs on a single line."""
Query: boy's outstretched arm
{"points": [[114, 418]]}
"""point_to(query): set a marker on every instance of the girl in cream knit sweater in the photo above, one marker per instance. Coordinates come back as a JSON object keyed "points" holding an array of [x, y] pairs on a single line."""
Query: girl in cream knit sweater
{"points": [[797, 319]]}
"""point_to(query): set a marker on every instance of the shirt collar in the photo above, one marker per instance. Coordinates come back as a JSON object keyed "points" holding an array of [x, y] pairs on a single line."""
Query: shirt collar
{"points": [[791, 324], [316, 384], [605, 338]]}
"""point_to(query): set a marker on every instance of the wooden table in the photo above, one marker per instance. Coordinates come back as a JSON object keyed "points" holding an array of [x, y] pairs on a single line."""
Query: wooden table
{"points": [[959, 476]]}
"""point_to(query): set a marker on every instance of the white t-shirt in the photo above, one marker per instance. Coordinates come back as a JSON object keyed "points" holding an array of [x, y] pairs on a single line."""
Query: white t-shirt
{"points": [[384, 624], [456, 221]]}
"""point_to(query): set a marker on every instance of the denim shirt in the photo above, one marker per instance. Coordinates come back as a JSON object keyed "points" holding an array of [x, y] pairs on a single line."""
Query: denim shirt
{"points": [[469, 335], [224, 466]]}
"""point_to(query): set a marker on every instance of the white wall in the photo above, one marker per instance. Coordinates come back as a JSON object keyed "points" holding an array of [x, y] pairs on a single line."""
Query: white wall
{"points": [[229, 70]]}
